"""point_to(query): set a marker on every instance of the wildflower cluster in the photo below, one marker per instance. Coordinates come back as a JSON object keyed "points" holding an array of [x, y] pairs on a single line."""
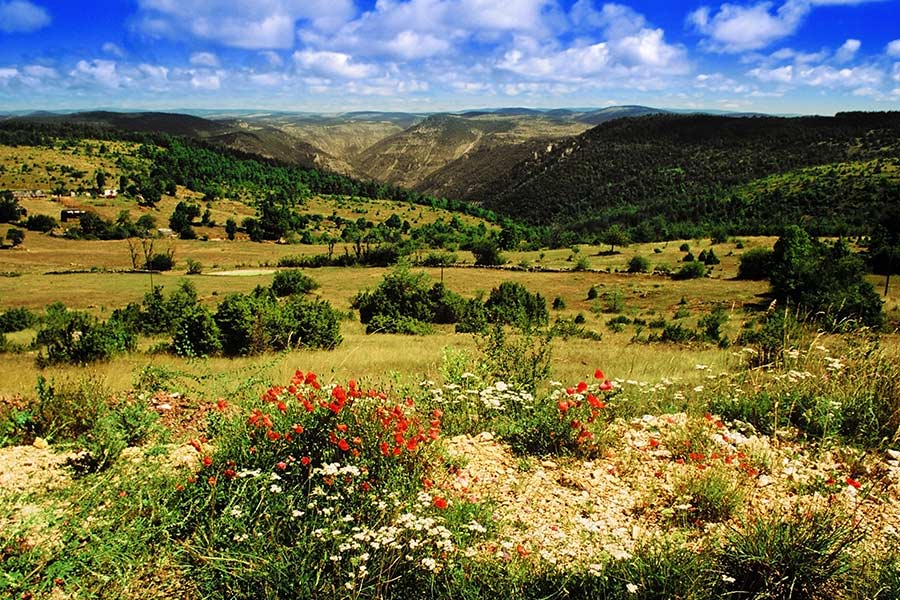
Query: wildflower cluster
{"points": [[581, 407], [333, 477]]}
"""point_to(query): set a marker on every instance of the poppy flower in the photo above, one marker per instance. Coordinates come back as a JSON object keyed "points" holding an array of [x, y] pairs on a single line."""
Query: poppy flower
{"points": [[343, 445], [582, 386], [853, 483], [440, 503], [207, 461], [305, 461], [605, 386]]}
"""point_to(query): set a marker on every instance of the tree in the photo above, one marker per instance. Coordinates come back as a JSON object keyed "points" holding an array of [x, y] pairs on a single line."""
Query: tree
{"points": [[884, 247], [10, 211], [101, 180], [615, 236], [15, 236], [487, 253], [182, 218], [230, 228]]}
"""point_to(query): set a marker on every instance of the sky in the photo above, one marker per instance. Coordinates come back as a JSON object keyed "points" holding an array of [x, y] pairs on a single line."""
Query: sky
{"points": [[778, 56]]}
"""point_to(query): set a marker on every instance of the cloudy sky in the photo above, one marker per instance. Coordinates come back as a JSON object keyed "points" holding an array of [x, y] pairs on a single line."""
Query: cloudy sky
{"points": [[780, 56]]}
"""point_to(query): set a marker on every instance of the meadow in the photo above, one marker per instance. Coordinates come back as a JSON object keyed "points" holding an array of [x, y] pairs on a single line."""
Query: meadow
{"points": [[398, 466]]}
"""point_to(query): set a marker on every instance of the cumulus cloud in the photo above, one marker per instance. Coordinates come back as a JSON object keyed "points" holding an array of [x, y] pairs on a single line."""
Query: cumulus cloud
{"points": [[21, 16], [740, 28], [847, 51], [262, 24], [331, 64], [204, 59], [893, 49], [113, 49]]}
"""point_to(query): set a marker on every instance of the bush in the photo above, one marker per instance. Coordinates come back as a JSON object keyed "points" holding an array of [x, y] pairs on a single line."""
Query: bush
{"points": [[398, 324], [17, 319], [314, 324], [592, 293], [439, 259], [406, 295], [287, 283], [755, 264], [559, 303], [196, 333], [15, 236], [42, 223], [161, 262], [801, 555], [194, 267], [638, 264], [76, 337], [487, 253], [512, 304], [690, 270]]}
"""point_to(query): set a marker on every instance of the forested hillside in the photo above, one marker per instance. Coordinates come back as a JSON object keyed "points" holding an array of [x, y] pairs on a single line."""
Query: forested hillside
{"points": [[671, 175]]}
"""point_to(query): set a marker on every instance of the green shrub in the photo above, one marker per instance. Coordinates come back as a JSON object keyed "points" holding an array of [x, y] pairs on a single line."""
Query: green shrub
{"points": [[827, 281], [15, 236], [521, 360], [398, 324], [714, 494], [287, 283], [17, 319], [406, 295], [439, 259], [684, 247], [487, 253], [512, 304], [711, 324], [690, 270], [314, 324], [194, 267], [638, 264], [42, 223], [559, 303], [592, 293], [755, 264], [798, 556], [161, 262], [196, 333], [76, 337]]}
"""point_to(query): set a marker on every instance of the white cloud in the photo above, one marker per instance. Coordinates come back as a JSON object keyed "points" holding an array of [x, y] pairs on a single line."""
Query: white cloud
{"points": [[410, 45], [893, 49], [847, 51], [114, 49], [21, 16], [778, 75], [739, 28], [332, 64], [261, 24], [825, 76], [205, 80], [273, 58], [204, 59], [97, 72], [895, 75]]}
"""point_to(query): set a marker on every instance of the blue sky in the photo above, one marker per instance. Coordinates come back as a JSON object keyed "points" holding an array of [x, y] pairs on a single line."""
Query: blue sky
{"points": [[779, 56]]}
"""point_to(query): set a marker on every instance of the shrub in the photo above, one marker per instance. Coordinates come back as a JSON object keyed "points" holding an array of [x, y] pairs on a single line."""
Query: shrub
{"points": [[559, 303], [800, 556], [711, 258], [17, 319], [42, 223], [194, 267], [690, 270], [161, 262], [711, 324], [398, 324], [511, 303], [684, 247], [15, 236], [829, 282], [521, 360], [314, 324], [287, 283], [487, 253], [196, 333], [714, 494], [755, 264], [76, 337], [592, 293], [638, 264], [439, 259], [402, 293]]}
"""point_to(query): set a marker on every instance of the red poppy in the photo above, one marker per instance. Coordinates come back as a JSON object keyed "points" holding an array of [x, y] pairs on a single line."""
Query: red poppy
{"points": [[298, 429], [207, 461], [598, 374], [211, 481], [343, 445], [221, 404], [582, 386], [342, 427], [853, 483], [605, 386], [305, 461], [440, 503], [281, 465]]}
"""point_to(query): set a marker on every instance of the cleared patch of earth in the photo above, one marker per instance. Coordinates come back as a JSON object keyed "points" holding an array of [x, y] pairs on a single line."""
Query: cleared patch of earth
{"points": [[242, 272]]}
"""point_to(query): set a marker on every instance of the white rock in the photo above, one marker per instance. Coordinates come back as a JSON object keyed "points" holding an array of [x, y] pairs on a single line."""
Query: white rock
{"points": [[40, 443]]}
